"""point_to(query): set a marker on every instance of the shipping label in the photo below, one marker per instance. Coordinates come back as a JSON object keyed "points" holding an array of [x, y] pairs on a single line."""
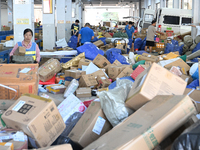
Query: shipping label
{"points": [[99, 125]]}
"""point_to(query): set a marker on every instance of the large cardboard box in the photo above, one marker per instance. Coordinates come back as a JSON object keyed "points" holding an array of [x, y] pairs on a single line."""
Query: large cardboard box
{"points": [[148, 126], [84, 62], [58, 147], [76, 74], [37, 117], [151, 82], [103, 81], [87, 81], [114, 71], [98, 43], [18, 79], [117, 63], [49, 69], [91, 126], [126, 72], [148, 57], [107, 35], [179, 63], [6, 147], [101, 61]]}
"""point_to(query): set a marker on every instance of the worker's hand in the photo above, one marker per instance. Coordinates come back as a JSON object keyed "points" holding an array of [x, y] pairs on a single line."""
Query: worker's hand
{"points": [[78, 44]]}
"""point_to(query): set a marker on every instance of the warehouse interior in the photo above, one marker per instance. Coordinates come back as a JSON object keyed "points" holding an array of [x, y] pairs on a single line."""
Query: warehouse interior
{"points": [[99, 75]]}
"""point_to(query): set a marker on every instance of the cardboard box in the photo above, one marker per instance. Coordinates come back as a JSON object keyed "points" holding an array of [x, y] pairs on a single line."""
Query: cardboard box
{"points": [[179, 63], [76, 74], [6, 146], [87, 81], [98, 43], [3, 41], [126, 72], [83, 92], [163, 37], [114, 71], [103, 81], [18, 79], [148, 57], [117, 63], [144, 31], [84, 62], [56, 88], [1, 46], [187, 79], [70, 106], [106, 67], [148, 126], [101, 61], [49, 69], [151, 82], [107, 35], [194, 94], [6, 28], [170, 56], [91, 126], [142, 36], [5, 104], [37, 117], [58, 147]]}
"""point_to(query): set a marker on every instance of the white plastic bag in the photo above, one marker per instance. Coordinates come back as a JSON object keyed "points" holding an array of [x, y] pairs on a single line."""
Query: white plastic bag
{"points": [[61, 43], [71, 88]]}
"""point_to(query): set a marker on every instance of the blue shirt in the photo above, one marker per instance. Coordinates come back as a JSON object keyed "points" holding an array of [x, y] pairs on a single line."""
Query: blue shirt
{"points": [[129, 31], [86, 34]]}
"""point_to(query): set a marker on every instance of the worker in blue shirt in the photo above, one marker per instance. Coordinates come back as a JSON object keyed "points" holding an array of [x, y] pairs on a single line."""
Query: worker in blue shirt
{"points": [[130, 32], [86, 34]]}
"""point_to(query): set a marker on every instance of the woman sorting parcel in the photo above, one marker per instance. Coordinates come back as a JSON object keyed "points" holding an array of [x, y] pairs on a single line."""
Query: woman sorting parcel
{"points": [[32, 48]]}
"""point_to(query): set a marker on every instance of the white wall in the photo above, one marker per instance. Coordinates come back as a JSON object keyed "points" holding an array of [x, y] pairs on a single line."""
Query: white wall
{"points": [[4, 17]]}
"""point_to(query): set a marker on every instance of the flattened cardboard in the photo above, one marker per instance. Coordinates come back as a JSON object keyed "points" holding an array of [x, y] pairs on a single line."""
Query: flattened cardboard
{"points": [[37, 117], [83, 92], [179, 63], [11, 77], [84, 62], [101, 61], [76, 74], [142, 130], [151, 82], [83, 132], [48, 69]]}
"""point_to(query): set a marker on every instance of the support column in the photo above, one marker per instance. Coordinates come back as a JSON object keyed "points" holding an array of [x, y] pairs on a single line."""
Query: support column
{"points": [[162, 3], [83, 16], [22, 20], [0, 15], [49, 27], [131, 11], [176, 4], [140, 9], [68, 18], [153, 4], [10, 13], [80, 14], [196, 17], [60, 9]]}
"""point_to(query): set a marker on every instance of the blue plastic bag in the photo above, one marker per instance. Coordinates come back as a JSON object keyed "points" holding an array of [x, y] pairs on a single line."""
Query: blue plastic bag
{"points": [[196, 48], [181, 49], [91, 51], [137, 43], [73, 42], [169, 48], [103, 39], [113, 54], [113, 85], [141, 52], [143, 45], [95, 39], [196, 74], [193, 84]]}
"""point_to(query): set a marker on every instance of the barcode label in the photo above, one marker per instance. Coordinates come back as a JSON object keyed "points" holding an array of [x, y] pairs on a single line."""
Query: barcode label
{"points": [[99, 125]]}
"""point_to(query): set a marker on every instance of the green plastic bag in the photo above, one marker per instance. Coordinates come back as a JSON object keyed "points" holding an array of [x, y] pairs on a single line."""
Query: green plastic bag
{"points": [[183, 57], [142, 62]]}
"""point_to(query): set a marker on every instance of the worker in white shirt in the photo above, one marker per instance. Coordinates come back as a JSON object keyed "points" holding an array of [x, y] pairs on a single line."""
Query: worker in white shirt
{"points": [[198, 29]]}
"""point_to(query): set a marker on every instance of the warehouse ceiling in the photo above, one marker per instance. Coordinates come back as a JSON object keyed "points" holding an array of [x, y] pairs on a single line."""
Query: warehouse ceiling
{"points": [[88, 2]]}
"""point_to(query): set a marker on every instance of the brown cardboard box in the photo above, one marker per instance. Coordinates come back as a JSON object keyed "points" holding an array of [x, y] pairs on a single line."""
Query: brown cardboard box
{"points": [[103, 81], [186, 78], [37, 117], [144, 31], [87, 80], [148, 126], [5, 147], [179, 63], [100, 72], [106, 68], [163, 37], [49, 69], [151, 82], [84, 62], [148, 57], [20, 51], [98, 43], [1, 46], [101, 61], [11, 77], [83, 92], [58, 147], [107, 35], [3, 41], [194, 94], [117, 63], [76, 74], [114, 71], [142, 36], [91, 126], [6, 28], [126, 72]]}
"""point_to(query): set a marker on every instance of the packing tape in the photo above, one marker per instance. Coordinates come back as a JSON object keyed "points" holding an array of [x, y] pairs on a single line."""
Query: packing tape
{"points": [[10, 89]]}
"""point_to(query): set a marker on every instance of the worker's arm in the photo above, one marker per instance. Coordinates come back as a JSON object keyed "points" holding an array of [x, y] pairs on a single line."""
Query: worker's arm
{"points": [[160, 32], [37, 54], [92, 38], [132, 35], [79, 36], [193, 26]]}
